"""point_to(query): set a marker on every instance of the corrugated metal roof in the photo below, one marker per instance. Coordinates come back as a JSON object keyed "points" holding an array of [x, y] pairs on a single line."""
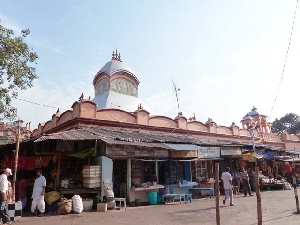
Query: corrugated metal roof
{"points": [[143, 144], [70, 135], [136, 136]]}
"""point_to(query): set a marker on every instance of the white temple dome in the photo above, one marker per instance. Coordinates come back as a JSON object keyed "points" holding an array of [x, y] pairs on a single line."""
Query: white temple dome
{"points": [[116, 86], [114, 66]]}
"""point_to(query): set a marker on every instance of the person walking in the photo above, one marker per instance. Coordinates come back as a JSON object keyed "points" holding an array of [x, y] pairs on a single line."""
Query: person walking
{"points": [[3, 197], [251, 174], [245, 180], [38, 201], [237, 179], [227, 183]]}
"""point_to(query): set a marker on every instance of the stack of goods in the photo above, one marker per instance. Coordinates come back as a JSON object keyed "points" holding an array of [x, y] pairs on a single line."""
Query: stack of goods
{"points": [[91, 176], [109, 196]]}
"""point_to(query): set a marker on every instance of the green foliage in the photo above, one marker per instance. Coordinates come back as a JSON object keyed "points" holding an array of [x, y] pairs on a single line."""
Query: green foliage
{"points": [[17, 60], [290, 123]]}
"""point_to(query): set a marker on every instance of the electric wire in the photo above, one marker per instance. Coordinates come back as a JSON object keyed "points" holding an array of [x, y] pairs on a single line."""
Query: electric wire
{"points": [[284, 65]]}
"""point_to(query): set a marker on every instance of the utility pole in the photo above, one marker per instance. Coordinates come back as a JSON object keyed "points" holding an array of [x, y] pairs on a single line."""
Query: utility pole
{"points": [[295, 189], [257, 188], [217, 194]]}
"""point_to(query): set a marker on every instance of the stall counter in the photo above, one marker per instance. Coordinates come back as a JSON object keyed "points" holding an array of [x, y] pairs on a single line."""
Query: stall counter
{"points": [[206, 185], [182, 188], [142, 193]]}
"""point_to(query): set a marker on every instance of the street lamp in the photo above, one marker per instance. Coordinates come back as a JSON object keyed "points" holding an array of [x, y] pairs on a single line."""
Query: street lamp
{"points": [[251, 128], [18, 137]]}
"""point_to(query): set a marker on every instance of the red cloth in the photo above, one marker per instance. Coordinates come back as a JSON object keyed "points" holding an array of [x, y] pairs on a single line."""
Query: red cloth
{"points": [[22, 163], [287, 168], [22, 188], [30, 163]]}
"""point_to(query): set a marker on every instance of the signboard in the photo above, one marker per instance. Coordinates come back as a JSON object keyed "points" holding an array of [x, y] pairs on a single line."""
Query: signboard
{"points": [[209, 152], [184, 154], [135, 151], [229, 151]]}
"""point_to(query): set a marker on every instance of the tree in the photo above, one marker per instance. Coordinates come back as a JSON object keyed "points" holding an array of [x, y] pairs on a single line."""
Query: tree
{"points": [[17, 60], [290, 123]]}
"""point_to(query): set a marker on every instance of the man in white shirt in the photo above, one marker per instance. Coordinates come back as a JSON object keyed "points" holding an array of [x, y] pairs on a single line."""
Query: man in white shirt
{"points": [[227, 182], [3, 197], [38, 202]]}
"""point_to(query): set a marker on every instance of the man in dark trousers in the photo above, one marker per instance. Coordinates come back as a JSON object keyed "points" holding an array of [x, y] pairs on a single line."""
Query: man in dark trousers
{"points": [[3, 197], [245, 180]]}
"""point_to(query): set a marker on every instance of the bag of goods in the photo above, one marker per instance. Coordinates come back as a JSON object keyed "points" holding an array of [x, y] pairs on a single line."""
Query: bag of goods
{"points": [[77, 204], [111, 205], [51, 197], [287, 186], [64, 206], [109, 194], [64, 183]]}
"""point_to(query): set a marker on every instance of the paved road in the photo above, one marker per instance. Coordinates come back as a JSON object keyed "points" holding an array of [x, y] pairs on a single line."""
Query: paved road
{"points": [[278, 207]]}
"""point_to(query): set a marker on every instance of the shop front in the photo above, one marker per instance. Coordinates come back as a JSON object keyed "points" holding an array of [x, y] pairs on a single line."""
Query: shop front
{"points": [[203, 169], [136, 168], [176, 172]]}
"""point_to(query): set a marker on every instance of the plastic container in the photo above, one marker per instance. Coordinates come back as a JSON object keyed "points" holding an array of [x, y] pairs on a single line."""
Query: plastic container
{"points": [[87, 204], [159, 198], [152, 197], [71, 184], [92, 182], [91, 171]]}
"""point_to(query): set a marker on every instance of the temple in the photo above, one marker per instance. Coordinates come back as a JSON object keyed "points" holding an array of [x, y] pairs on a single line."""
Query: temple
{"points": [[116, 104]]}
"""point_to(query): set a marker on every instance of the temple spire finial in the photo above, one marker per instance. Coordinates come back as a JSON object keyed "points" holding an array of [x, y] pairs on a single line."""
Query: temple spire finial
{"points": [[116, 56], [113, 55]]}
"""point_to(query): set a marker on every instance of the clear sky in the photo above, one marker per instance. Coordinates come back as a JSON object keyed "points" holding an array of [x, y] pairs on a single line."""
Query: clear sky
{"points": [[225, 56]]}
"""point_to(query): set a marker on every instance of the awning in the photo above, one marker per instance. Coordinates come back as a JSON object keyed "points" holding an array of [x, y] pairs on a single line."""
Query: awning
{"points": [[183, 150], [142, 144], [251, 157], [183, 147]]}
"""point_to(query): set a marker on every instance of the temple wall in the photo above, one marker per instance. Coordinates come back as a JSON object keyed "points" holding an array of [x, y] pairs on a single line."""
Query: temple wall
{"points": [[87, 109]]}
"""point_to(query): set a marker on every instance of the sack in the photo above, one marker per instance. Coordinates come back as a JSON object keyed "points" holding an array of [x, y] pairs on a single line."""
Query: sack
{"points": [[111, 205], [77, 204], [287, 186], [64, 206], [109, 194], [51, 197]]}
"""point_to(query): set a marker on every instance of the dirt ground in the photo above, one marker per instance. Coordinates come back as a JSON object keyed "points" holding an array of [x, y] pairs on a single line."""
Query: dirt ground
{"points": [[277, 208]]}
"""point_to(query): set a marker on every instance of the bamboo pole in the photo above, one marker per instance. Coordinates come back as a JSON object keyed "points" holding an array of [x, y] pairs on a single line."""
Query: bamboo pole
{"points": [[217, 194], [58, 170], [258, 197], [295, 189]]}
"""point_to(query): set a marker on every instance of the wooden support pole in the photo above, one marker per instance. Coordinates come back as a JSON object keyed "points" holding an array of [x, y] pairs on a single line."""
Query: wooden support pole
{"points": [[217, 194], [156, 170], [128, 178], [295, 189], [258, 198], [58, 170]]}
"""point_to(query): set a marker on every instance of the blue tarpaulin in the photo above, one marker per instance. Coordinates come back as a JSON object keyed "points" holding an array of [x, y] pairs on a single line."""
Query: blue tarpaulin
{"points": [[268, 155]]}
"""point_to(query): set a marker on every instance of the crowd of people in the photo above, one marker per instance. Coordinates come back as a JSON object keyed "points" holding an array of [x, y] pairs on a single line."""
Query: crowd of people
{"points": [[33, 189], [243, 178]]}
